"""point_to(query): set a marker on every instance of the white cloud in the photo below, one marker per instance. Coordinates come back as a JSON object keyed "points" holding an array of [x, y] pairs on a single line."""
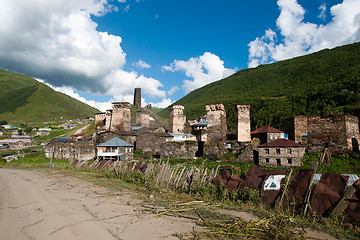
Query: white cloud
{"points": [[59, 42], [322, 14], [102, 106], [163, 104], [297, 37], [126, 8], [203, 69], [141, 64], [173, 90]]}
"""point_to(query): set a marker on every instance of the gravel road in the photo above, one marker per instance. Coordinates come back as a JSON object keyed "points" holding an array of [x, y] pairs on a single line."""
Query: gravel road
{"points": [[37, 205]]}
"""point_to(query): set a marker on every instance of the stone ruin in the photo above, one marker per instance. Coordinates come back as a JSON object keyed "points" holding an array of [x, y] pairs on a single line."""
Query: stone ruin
{"points": [[143, 118], [337, 132]]}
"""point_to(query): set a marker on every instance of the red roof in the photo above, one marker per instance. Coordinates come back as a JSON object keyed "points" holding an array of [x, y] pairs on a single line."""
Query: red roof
{"points": [[281, 142], [266, 129]]}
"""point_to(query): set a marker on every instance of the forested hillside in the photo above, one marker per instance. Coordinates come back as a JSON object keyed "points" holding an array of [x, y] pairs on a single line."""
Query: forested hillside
{"points": [[328, 80]]}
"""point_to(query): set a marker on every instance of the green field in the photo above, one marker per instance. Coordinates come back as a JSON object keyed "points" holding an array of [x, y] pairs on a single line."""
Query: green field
{"points": [[23, 99]]}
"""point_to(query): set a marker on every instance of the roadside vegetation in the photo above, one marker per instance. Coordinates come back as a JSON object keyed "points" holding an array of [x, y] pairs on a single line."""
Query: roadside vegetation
{"points": [[215, 209]]}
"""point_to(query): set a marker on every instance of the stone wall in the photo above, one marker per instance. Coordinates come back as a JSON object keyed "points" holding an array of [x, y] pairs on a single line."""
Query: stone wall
{"points": [[143, 118], [177, 119], [152, 142], [100, 121], [121, 116], [339, 133], [102, 137], [186, 149], [108, 114], [243, 123], [296, 128], [353, 138], [70, 150], [281, 156]]}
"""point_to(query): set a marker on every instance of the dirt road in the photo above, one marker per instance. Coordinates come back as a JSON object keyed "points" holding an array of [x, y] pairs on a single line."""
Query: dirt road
{"points": [[35, 205]]}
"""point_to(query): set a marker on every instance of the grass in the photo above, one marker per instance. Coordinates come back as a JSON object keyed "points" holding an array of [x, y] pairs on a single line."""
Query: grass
{"points": [[200, 203]]}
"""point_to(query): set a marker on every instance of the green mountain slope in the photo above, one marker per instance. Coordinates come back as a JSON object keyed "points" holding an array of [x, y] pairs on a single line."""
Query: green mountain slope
{"points": [[22, 98], [328, 80]]}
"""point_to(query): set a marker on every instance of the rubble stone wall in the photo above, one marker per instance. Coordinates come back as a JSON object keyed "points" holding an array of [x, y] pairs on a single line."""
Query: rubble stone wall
{"points": [[100, 121]]}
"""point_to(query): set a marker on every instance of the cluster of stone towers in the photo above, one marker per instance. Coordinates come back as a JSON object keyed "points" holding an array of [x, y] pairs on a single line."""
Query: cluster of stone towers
{"points": [[216, 127], [119, 117]]}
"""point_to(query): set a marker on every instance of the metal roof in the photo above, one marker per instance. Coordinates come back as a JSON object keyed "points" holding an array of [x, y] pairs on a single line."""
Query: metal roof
{"points": [[115, 142], [352, 178], [202, 122], [281, 142], [266, 129]]}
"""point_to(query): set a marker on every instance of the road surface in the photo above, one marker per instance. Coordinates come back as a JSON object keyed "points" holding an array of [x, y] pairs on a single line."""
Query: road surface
{"points": [[36, 205]]}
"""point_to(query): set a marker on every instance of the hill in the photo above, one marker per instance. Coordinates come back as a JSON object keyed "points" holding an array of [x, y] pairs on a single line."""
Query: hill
{"points": [[328, 80], [23, 98]]}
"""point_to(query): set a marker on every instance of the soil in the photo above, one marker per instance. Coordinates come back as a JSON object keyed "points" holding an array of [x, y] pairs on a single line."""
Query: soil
{"points": [[37, 205]]}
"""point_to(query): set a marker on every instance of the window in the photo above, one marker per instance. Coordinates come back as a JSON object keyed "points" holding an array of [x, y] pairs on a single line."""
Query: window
{"points": [[289, 150], [278, 162], [278, 151], [289, 161], [267, 151], [267, 160]]}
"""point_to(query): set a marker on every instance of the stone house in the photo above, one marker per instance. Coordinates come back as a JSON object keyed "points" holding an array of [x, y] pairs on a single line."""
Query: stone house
{"points": [[280, 153], [337, 132], [267, 134], [71, 150], [115, 149], [199, 130]]}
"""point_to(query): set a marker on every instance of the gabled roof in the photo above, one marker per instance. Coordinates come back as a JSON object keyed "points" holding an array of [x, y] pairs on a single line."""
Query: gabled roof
{"points": [[281, 142], [266, 129], [202, 122], [115, 142]]}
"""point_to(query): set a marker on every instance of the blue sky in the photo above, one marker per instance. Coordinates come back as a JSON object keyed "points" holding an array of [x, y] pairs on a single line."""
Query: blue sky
{"points": [[99, 51]]}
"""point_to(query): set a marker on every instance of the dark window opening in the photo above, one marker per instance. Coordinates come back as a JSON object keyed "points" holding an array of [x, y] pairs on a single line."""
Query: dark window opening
{"points": [[289, 161], [278, 151], [267, 160], [278, 162]]}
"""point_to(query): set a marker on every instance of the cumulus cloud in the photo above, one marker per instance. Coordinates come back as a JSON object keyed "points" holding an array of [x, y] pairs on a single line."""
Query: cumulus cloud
{"points": [[322, 14], [173, 90], [59, 42], [141, 64], [296, 37], [163, 104], [203, 70]]}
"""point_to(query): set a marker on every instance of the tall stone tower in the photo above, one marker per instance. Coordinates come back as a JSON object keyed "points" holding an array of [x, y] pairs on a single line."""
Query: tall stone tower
{"points": [[108, 117], [243, 123], [216, 123], [137, 97], [143, 118], [177, 119], [121, 116]]}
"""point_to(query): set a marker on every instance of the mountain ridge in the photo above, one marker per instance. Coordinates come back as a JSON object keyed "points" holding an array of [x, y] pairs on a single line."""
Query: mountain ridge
{"points": [[328, 80], [23, 98]]}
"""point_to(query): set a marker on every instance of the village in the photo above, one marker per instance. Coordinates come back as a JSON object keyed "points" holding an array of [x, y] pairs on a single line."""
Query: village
{"points": [[116, 138]]}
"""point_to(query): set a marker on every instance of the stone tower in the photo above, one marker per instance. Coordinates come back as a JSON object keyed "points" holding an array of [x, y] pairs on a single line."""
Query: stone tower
{"points": [[216, 123], [137, 97], [177, 119], [143, 118], [100, 121], [108, 114], [121, 116], [243, 123]]}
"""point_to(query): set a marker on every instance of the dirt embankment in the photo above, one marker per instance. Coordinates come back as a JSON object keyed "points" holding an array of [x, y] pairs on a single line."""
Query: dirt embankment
{"points": [[36, 205]]}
